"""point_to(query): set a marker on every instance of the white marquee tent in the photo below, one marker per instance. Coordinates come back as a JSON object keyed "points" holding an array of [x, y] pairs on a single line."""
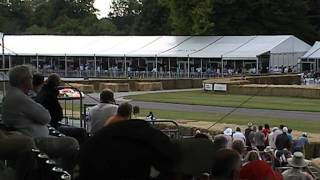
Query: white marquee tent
{"points": [[312, 58], [277, 50]]}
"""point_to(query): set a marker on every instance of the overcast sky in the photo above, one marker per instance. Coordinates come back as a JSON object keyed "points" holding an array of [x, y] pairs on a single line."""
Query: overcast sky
{"points": [[103, 6]]}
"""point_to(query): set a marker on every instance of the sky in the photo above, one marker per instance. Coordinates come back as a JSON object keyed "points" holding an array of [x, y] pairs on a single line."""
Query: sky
{"points": [[103, 6]]}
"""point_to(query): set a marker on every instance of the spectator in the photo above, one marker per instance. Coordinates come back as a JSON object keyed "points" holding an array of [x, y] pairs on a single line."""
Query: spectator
{"points": [[150, 117], [239, 136], [290, 134], [300, 143], [282, 141], [271, 138], [30, 118], [126, 150], [238, 146], [48, 97], [102, 111], [251, 136], [136, 111], [297, 162], [246, 134], [252, 156], [228, 134], [37, 84], [259, 139], [226, 165], [266, 131], [258, 170], [220, 142], [123, 113]]}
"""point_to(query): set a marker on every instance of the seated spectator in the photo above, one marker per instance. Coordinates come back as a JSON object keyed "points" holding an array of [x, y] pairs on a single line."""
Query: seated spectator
{"points": [[123, 113], [126, 150], [297, 162], [48, 98], [252, 156], [37, 84], [102, 111], [258, 169], [226, 165], [282, 140], [19, 111], [220, 142], [238, 135], [259, 139], [300, 143], [238, 146]]}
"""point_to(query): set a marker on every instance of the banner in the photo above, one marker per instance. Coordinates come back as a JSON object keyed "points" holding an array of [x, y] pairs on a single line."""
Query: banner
{"points": [[208, 87], [220, 87]]}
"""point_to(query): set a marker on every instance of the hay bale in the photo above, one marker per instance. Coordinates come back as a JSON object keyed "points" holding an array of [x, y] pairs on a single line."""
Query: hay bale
{"points": [[148, 86], [86, 88], [115, 87]]}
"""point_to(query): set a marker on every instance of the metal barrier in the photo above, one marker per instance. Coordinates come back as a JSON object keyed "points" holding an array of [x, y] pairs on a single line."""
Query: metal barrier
{"points": [[172, 133]]}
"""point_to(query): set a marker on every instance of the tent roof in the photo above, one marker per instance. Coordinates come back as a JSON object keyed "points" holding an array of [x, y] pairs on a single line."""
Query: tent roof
{"points": [[314, 52], [233, 47]]}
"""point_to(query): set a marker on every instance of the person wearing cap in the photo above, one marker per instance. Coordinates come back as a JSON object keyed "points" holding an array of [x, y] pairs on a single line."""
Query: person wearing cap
{"points": [[297, 162], [228, 134], [246, 134], [102, 111], [283, 141], [300, 143]]}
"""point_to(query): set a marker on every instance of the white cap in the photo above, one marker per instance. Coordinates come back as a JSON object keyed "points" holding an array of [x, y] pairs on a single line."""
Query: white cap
{"points": [[285, 129], [228, 132]]}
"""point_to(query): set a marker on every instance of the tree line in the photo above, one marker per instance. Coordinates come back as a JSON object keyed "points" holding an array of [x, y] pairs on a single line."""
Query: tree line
{"points": [[163, 17]]}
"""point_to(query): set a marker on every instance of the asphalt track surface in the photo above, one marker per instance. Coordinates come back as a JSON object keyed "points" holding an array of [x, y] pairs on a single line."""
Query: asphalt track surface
{"points": [[294, 115]]}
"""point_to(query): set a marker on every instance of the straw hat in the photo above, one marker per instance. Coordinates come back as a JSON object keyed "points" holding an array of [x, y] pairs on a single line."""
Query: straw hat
{"points": [[297, 160], [227, 132]]}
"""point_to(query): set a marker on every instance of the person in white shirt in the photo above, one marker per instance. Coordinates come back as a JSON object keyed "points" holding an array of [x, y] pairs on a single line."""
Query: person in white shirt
{"points": [[238, 135], [100, 113]]}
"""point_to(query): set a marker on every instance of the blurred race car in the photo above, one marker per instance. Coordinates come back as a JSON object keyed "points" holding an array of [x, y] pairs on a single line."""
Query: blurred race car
{"points": [[68, 92]]}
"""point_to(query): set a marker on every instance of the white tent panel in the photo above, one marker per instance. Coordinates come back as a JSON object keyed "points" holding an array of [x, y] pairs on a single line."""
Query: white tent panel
{"points": [[255, 47], [222, 46], [164, 43], [190, 46], [314, 52], [291, 45], [133, 44]]}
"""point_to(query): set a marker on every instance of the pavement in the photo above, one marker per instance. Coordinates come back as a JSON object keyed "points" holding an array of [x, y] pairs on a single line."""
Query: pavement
{"points": [[120, 97]]}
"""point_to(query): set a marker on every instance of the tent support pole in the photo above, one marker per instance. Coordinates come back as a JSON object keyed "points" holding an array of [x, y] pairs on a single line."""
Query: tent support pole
{"points": [[65, 66], [169, 67], [257, 62], [10, 63], [156, 66], [188, 66], [201, 66], [95, 65], [37, 63], [222, 67], [3, 56], [125, 66]]}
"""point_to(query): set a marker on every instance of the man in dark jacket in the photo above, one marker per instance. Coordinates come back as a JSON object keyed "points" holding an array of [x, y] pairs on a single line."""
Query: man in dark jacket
{"points": [[126, 150], [283, 141], [48, 97]]}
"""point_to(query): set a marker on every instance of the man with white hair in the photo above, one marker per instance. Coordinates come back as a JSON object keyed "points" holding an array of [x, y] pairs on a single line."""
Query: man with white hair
{"points": [[282, 140], [22, 113]]}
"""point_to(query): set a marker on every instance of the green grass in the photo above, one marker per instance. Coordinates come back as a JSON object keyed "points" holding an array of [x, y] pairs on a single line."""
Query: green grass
{"points": [[211, 99], [308, 126]]}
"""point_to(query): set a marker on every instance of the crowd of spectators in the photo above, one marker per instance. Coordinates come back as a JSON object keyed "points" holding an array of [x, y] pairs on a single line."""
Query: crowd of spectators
{"points": [[118, 146]]}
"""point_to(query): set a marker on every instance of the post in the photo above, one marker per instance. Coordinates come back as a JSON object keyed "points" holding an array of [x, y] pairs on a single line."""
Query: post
{"points": [[169, 68], [222, 67], [201, 67], [37, 63], [65, 66], [156, 66], [125, 66], [257, 69], [10, 62], [2, 44], [188, 66], [95, 65]]}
